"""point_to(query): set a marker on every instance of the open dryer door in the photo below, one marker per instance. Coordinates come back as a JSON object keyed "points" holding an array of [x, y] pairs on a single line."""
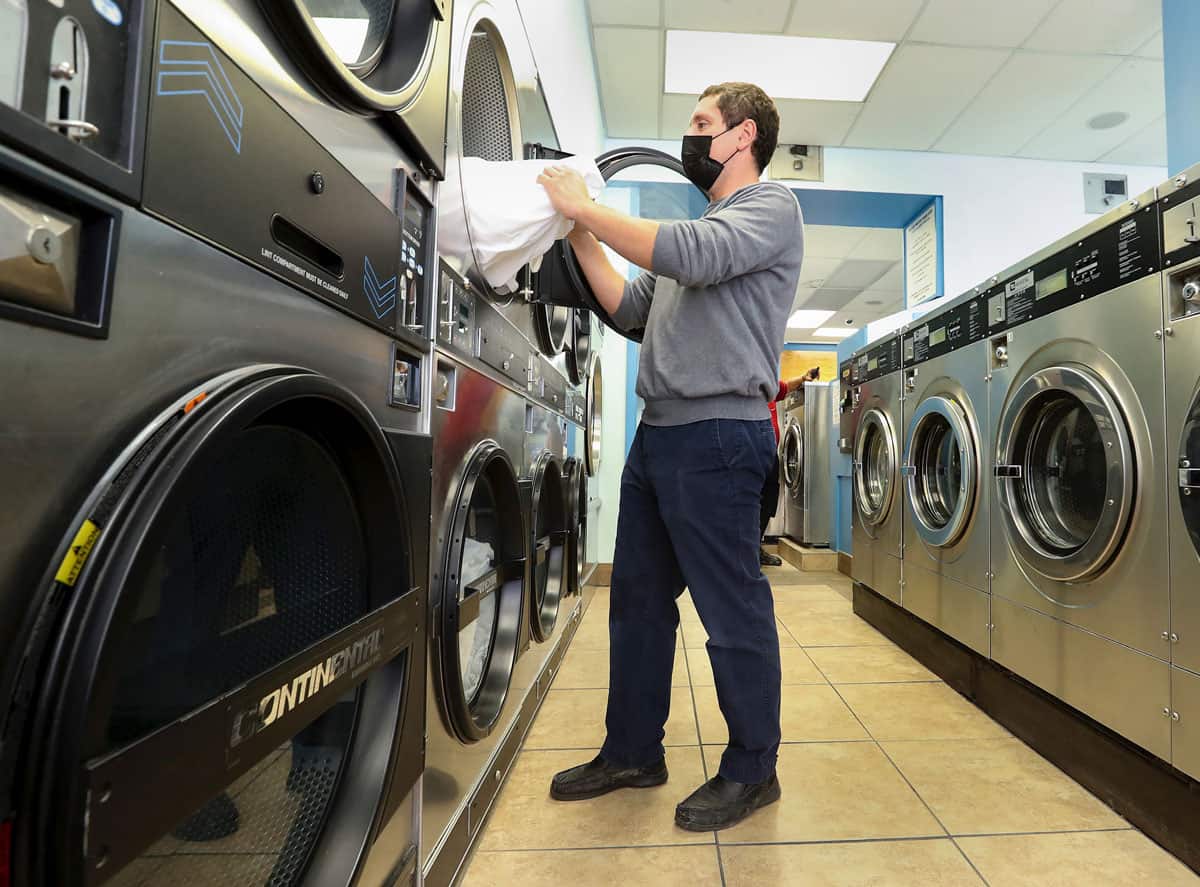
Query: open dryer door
{"points": [[669, 196], [216, 684]]}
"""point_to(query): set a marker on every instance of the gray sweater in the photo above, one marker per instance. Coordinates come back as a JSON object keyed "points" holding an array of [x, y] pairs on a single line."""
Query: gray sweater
{"points": [[715, 312]]}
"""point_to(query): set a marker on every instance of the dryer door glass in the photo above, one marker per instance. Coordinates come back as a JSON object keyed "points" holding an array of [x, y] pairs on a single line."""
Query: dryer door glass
{"points": [[793, 459], [1067, 473], [479, 560], [1189, 473], [942, 467], [356, 29], [875, 468], [549, 547], [593, 428]]}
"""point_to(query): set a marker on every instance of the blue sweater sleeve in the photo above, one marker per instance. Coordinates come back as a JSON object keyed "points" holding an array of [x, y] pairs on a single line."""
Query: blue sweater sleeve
{"points": [[748, 235]]}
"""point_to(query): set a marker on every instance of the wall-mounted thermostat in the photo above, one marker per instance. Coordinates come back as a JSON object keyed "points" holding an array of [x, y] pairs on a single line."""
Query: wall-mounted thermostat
{"points": [[1103, 192]]}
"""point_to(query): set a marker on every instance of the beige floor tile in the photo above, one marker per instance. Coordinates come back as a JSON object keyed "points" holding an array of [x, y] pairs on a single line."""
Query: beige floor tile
{"points": [[525, 818], [785, 593], [695, 637], [1095, 859], [994, 786], [660, 866], [918, 711], [796, 666], [931, 863], [575, 719], [808, 713], [794, 609], [835, 791], [585, 669], [832, 630], [869, 665]]}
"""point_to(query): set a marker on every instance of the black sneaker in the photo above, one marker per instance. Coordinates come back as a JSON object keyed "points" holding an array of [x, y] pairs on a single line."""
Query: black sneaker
{"points": [[766, 559], [720, 803], [598, 777]]}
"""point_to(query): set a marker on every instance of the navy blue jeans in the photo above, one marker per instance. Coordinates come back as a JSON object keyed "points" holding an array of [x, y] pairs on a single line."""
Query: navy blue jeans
{"points": [[689, 517]]}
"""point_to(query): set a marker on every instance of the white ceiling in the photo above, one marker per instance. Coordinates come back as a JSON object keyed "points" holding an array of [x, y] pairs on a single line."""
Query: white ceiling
{"points": [[1017, 78], [855, 272]]}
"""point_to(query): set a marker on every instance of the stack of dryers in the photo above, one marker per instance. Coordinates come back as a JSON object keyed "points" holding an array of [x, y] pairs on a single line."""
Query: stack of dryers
{"points": [[1076, 426], [1179, 203], [215, 458], [872, 418], [945, 472]]}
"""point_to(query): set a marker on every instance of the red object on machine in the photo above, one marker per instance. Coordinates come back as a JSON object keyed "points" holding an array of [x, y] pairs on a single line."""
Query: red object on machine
{"points": [[6, 853]]}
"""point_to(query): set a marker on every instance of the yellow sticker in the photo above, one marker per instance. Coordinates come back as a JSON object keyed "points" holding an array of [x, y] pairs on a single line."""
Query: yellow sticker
{"points": [[77, 554]]}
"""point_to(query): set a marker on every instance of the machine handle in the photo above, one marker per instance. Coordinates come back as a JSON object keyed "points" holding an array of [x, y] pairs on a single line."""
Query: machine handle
{"points": [[1189, 478], [1013, 472]]}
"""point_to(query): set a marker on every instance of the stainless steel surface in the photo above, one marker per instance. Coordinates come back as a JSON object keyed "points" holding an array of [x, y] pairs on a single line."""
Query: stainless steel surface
{"points": [[1185, 721], [947, 532], [593, 427], [957, 609], [1120, 687], [809, 415], [877, 520], [39, 253], [1117, 591]]}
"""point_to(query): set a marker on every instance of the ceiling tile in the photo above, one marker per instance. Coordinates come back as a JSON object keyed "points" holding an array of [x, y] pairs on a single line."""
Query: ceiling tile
{"points": [[1152, 48], [1116, 26], [858, 274], [1027, 95], [815, 123], [1146, 148], [922, 89], [764, 16], [641, 13], [676, 114], [831, 241], [803, 294], [892, 282], [831, 298], [881, 243], [629, 62], [854, 19], [815, 270], [980, 22], [1135, 88]]}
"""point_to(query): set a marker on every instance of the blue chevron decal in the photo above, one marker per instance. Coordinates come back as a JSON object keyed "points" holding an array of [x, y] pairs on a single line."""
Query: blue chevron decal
{"points": [[188, 67], [381, 294]]}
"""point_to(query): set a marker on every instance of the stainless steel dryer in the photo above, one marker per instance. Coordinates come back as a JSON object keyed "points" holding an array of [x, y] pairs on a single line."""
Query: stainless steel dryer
{"points": [[805, 464], [1181, 263], [791, 465], [878, 501], [946, 474], [212, 556], [1079, 516]]}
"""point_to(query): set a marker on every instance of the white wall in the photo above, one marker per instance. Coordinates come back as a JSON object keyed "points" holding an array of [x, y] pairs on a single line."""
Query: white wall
{"points": [[997, 210]]}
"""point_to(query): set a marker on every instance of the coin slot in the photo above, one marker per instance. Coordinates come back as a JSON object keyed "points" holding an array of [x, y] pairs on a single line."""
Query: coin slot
{"points": [[299, 242]]}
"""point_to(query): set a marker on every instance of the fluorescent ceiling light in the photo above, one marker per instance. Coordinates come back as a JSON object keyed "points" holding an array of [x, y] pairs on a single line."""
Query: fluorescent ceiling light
{"points": [[785, 67], [835, 332], [808, 318]]}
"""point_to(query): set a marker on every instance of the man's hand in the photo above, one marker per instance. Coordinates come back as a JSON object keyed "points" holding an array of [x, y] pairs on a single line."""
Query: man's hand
{"points": [[566, 189]]}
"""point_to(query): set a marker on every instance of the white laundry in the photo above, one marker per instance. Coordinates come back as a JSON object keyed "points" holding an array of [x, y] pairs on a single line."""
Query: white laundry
{"points": [[475, 646], [509, 215]]}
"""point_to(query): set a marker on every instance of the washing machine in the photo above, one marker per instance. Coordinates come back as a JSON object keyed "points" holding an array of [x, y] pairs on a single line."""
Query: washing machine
{"points": [[791, 465], [805, 465], [878, 522], [211, 670], [945, 470], [1181, 300], [547, 500], [498, 538], [1079, 523]]}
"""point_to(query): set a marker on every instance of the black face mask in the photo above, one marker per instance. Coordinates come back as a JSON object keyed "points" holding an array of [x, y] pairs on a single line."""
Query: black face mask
{"points": [[701, 169]]}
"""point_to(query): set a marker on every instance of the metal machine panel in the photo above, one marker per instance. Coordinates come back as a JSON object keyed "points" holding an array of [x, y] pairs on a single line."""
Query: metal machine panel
{"points": [[1185, 721], [1121, 688], [820, 412], [959, 610]]}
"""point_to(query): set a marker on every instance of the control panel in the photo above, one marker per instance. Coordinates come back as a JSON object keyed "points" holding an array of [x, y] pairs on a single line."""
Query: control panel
{"points": [[416, 255]]}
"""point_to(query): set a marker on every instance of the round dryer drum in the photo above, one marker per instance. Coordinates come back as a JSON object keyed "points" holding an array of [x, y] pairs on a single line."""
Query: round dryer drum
{"points": [[579, 351], [478, 616], [1066, 473], [793, 459], [575, 483], [554, 328], [942, 468], [593, 419], [670, 196], [548, 546], [875, 468], [375, 56], [220, 668]]}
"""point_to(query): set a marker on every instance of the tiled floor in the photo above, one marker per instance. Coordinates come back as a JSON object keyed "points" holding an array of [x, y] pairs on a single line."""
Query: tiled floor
{"points": [[889, 778]]}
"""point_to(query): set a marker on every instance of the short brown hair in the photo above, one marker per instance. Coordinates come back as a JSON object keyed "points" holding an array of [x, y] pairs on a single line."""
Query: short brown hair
{"points": [[745, 101]]}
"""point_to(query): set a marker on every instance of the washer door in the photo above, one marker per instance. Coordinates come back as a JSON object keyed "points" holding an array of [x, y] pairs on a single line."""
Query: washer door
{"points": [[941, 462], [225, 652], [1189, 473], [793, 459], [875, 468], [575, 486], [553, 326], [479, 621], [1066, 473], [593, 421], [548, 545]]}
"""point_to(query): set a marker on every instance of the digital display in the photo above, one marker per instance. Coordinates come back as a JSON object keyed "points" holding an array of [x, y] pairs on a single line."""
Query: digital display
{"points": [[1055, 283], [414, 215], [872, 364], [937, 337]]}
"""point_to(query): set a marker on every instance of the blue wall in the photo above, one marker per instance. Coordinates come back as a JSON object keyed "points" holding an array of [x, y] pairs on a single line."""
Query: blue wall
{"points": [[1181, 37]]}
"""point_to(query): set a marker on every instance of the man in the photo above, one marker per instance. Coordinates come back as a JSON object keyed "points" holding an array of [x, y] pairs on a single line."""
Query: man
{"points": [[714, 308], [770, 493]]}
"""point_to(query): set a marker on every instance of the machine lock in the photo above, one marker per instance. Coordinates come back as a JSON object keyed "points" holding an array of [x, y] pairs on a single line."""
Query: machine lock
{"points": [[1189, 479]]}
